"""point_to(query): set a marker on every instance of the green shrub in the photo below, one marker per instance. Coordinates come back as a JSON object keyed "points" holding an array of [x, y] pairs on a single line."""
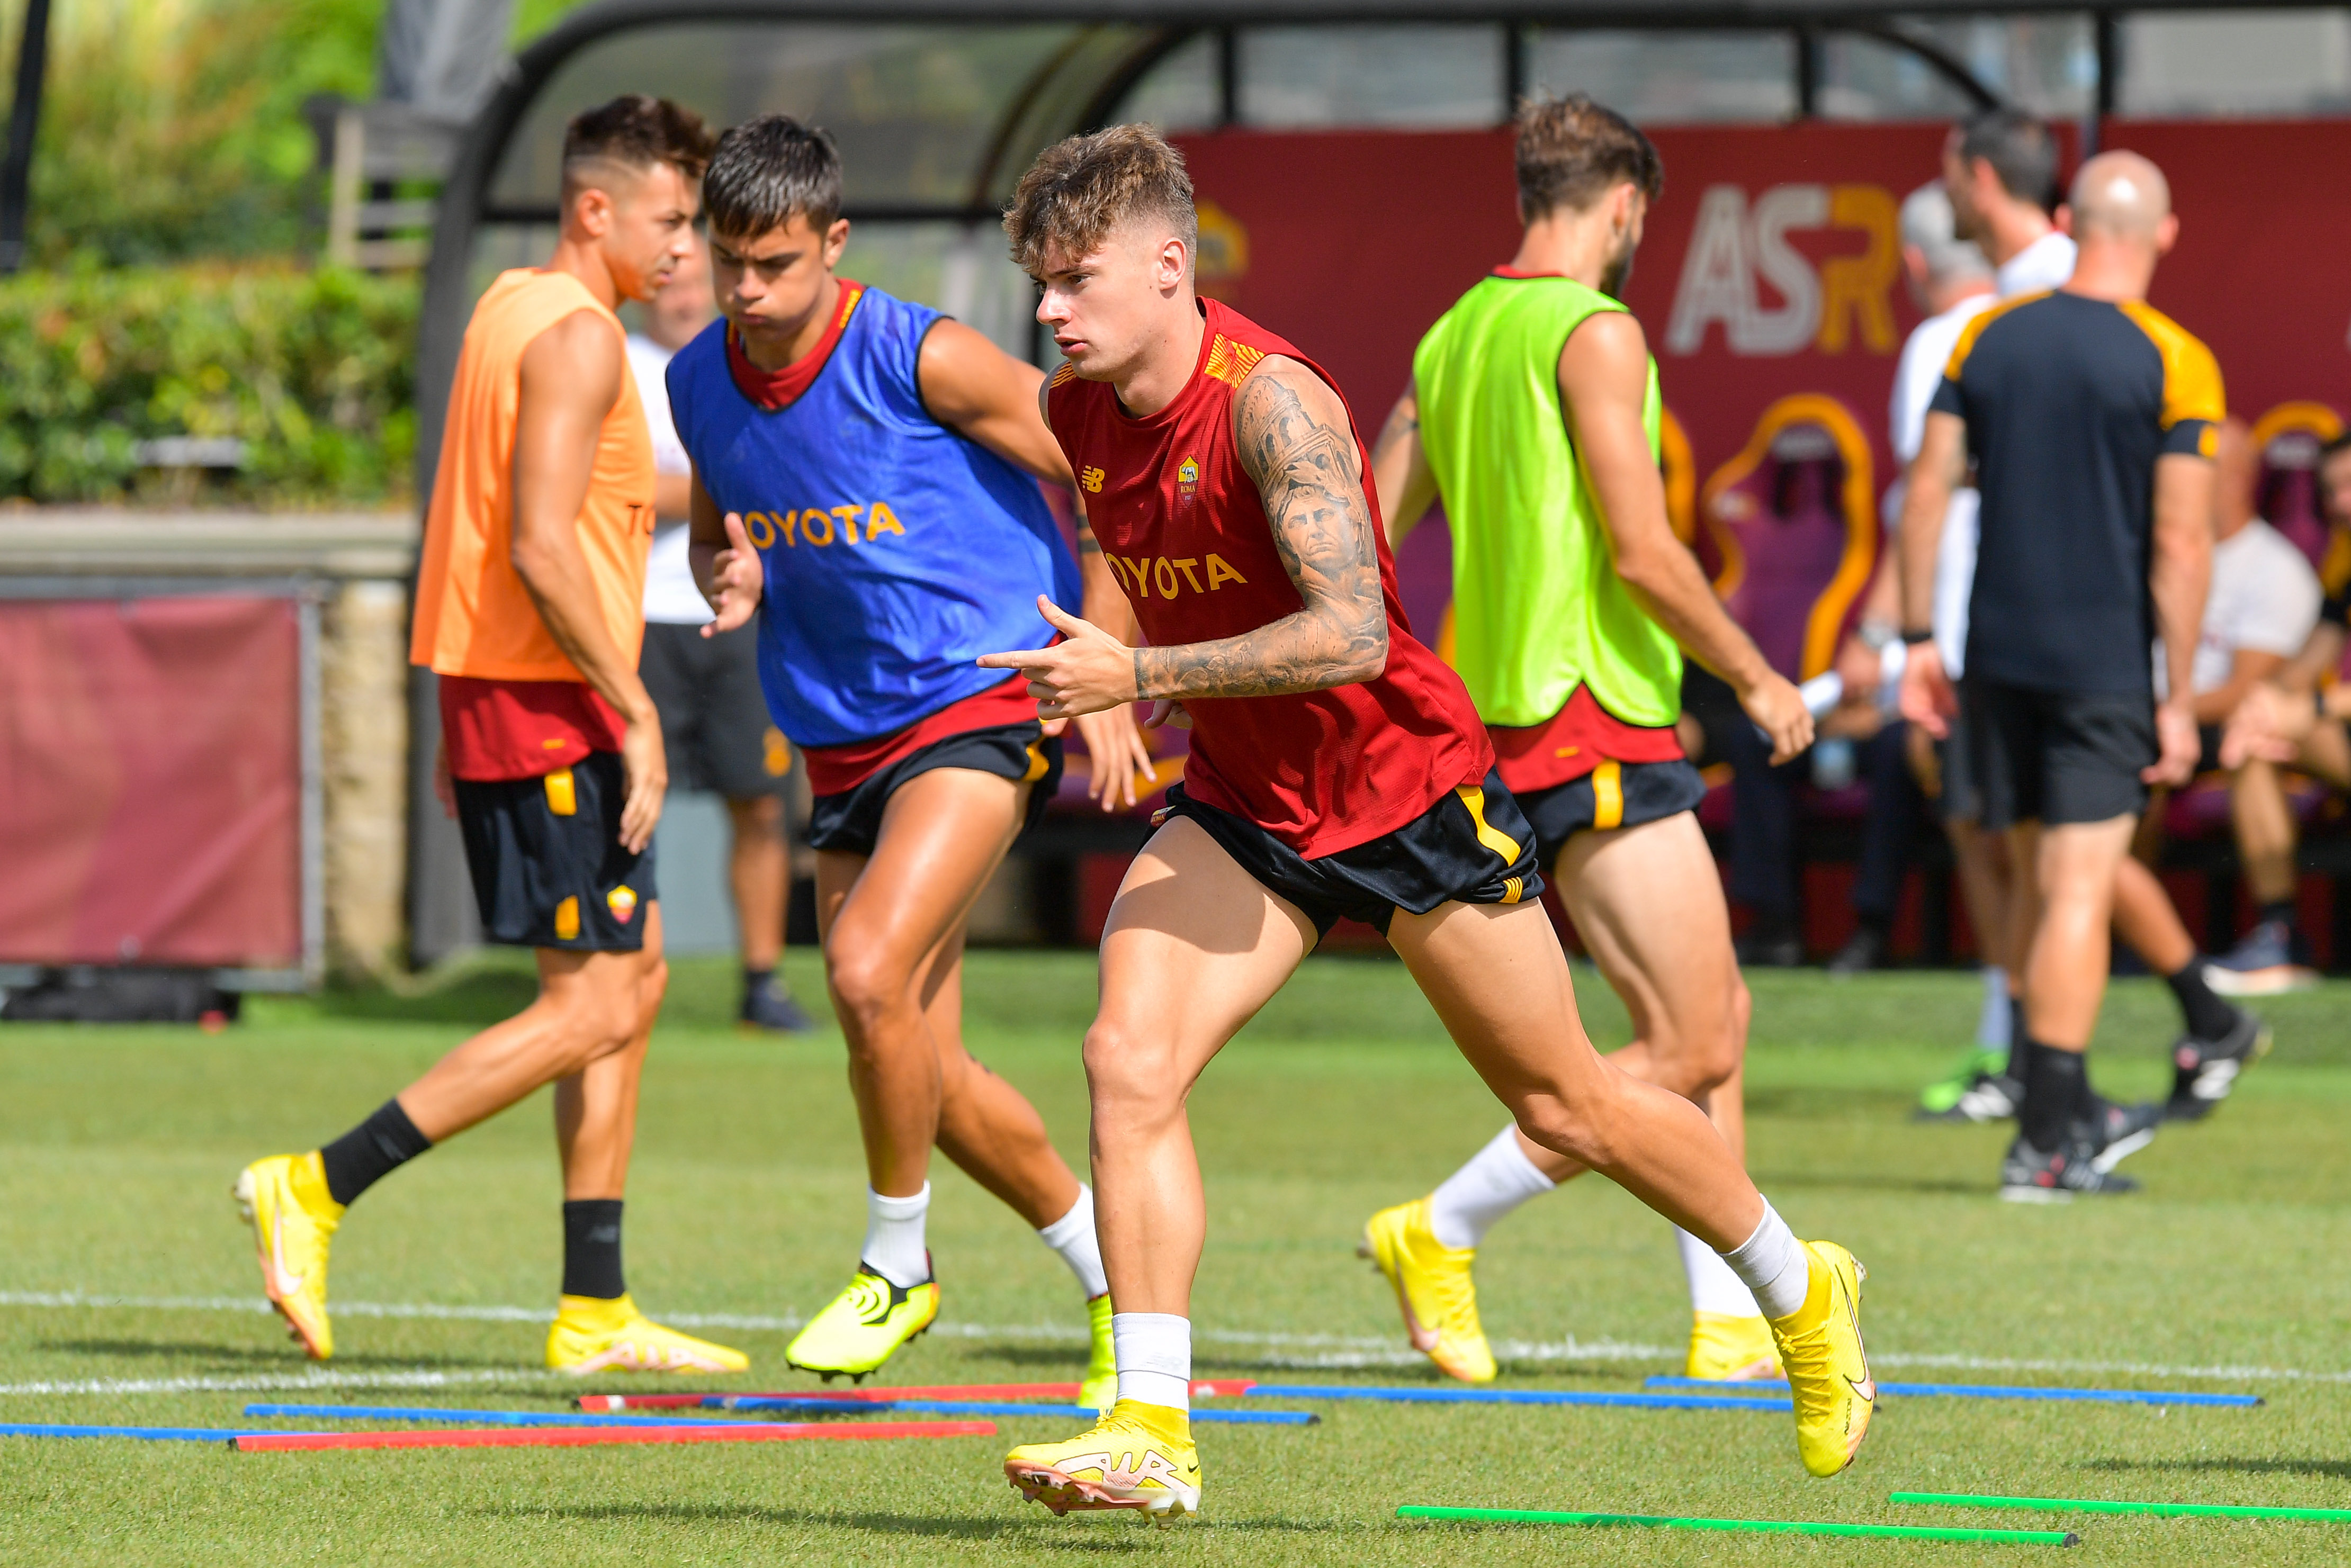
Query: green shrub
{"points": [[314, 372]]}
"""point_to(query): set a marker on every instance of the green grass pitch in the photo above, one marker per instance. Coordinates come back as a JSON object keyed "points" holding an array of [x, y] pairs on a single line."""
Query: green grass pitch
{"points": [[117, 1147]]}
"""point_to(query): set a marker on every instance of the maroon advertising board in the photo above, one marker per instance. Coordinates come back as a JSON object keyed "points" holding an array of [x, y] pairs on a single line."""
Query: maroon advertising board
{"points": [[151, 761]]}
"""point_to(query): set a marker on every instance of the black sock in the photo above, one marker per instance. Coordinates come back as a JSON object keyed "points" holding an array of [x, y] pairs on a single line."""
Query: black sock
{"points": [[2020, 1044], [2209, 1018], [592, 1247], [756, 980], [1775, 926], [372, 1151], [2056, 1094], [2278, 911]]}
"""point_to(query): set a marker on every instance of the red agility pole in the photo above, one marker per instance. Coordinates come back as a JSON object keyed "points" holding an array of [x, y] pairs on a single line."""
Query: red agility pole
{"points": [[609, 1404], [587, 1437]]}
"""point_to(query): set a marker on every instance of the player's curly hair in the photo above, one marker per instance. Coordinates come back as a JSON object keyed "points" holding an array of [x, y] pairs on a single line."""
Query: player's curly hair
{"points": [[636, 131], [1080, 189], [1569, 149]]}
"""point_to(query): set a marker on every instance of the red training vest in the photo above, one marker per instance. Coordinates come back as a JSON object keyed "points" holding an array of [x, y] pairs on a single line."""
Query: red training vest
{"points": [[1183, 525]]}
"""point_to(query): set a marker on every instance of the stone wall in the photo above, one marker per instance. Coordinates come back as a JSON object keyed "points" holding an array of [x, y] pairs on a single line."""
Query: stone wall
{"points": [[364, 735]]}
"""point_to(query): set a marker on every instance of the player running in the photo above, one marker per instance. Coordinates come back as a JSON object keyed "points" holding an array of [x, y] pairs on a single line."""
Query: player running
{"points": [[528, 605], [863, 479], [1337, 768], [1534, 415]]}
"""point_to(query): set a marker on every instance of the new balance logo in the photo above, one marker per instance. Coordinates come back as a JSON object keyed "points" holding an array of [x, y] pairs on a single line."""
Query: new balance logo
{"points": [[1092, 479]]}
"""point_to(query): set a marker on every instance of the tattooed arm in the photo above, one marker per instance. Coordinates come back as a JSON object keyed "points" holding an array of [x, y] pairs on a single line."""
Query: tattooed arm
{"points": [[1296, 443]]}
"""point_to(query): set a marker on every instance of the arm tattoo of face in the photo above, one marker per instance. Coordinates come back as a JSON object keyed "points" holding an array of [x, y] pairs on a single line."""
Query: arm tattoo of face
{"points": [[1311, 478]]}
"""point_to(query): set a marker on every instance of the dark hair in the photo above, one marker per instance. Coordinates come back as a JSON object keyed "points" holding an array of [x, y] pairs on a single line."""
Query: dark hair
{"points": [[638, 132], [1569, 149], [2021, 150], [2334, 449], [767, 170], [1082, 188]]}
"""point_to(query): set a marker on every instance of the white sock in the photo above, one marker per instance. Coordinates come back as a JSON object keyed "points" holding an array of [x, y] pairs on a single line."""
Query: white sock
{"points": [[1154, 1358], [1072, 1236], [1498, 1178], [893, 1237], [1993, 1028], [1713, 1288], [1773, 1264]]}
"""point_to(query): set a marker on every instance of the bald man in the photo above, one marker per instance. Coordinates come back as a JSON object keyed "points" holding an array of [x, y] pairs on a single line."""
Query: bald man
{"points": [[2092, 420]]}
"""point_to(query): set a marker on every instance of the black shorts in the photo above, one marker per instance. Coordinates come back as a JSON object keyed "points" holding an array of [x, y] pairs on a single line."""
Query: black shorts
{"points": [[1473, 846], [549, 869], [715, 722], [851, 819], [2056, 757], [1962, 798], [1613, 795]]}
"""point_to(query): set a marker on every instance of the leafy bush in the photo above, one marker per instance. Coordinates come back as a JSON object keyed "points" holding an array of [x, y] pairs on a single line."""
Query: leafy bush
{"points": [[314, 372], [173, 129]]}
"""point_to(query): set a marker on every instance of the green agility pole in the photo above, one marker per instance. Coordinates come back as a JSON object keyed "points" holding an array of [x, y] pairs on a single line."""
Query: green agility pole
{"points": [[1755, 1526], [2104, 1505]]}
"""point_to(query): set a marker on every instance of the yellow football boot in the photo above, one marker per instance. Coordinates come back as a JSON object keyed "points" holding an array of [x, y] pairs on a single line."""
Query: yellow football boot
{"points": [[1728, 1349], [284, 1199], [1828, 1369], [863, 1326], [1100, 1390], [595, 1335], [1433, 1288], [1137, 1457]]}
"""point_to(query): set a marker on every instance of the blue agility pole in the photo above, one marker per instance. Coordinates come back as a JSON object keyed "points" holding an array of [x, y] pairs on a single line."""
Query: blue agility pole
{"points": [[831, 1406], [141, 1434], [1992, 1391], [1520, 1396]]}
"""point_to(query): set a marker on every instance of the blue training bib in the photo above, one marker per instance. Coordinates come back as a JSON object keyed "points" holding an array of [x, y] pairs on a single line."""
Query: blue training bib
{"points": [[896, 552]]}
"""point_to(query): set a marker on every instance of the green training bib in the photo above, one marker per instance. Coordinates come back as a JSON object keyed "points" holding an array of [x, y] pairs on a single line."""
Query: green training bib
{"points": [[1538, 607]]}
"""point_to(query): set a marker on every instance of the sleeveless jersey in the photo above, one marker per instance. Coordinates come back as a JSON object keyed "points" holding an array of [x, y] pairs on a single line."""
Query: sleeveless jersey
{"points": [[1538, 608], [474, 617], [1182, 523], [896, 550]]}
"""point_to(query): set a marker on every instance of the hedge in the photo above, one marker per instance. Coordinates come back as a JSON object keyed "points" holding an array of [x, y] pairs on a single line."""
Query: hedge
{"points": [[313, 371]]}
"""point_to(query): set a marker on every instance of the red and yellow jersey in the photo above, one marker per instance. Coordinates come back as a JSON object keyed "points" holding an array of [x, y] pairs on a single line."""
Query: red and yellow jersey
{"points": [[1183, 525]]}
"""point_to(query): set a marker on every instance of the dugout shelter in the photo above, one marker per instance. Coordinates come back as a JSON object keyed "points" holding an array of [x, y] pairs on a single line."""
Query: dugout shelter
{"points": [[1351, 158]]}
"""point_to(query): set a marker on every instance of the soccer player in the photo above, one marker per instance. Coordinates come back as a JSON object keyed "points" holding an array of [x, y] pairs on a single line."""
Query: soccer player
{"points": [[715, 724], [528, 605], [1337, 768], [1534, 415], [2091, 420], [866, 478]]}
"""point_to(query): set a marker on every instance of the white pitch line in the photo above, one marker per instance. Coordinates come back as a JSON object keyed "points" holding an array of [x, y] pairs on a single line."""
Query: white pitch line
{"points": [[1301, 1351]]}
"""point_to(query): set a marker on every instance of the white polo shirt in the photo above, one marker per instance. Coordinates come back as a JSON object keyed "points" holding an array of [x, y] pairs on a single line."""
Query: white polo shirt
{"points": [[669, 593], [2264, 599]]}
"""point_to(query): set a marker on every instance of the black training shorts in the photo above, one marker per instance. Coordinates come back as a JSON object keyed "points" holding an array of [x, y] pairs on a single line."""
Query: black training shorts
{"points": [[1613, 795], [549, 869], [714, 719], [2056, 757], [1962, 797], [1473, 846], [851, 819]]}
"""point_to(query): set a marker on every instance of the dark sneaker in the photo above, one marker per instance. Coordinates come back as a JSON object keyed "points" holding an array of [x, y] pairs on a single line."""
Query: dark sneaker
{"points": [[2114, 1133], [2035, 1175], [767, 1006], [2204, 1071], [1755, 951], [1862, 951], [2263, 965], [1991, 1097]]}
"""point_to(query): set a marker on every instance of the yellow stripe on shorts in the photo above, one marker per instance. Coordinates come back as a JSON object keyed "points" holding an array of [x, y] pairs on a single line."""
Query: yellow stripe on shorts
{"points": [[562, 798], [1493, 838], [1608, 795], [1038, 762]]}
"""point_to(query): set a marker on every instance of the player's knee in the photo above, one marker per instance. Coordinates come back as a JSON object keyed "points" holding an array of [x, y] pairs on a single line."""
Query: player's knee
{"points": [[865, 986], [1575, 1130], [1127, 1068]]}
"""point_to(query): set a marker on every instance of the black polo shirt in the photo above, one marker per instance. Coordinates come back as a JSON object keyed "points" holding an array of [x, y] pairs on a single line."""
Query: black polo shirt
{"points": [[2069, 401]]}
